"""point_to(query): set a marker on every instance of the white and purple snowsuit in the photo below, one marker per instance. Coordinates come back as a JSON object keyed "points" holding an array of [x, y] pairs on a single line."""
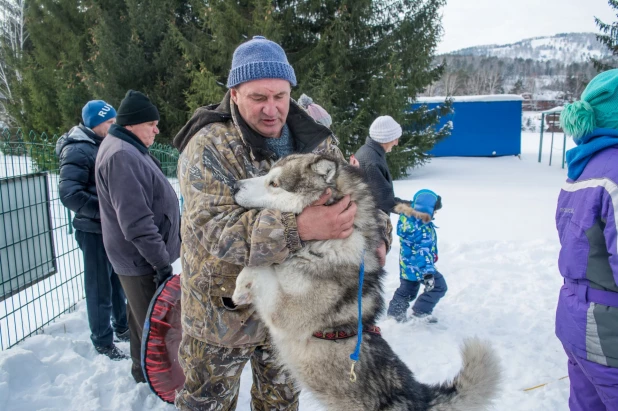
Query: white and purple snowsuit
{"points": [[587, 313]]}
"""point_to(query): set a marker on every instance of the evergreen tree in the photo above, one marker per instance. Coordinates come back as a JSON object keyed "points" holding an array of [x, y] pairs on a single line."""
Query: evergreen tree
{"points": [[609, 38], [133, 47], [89, 49], [54, 91], [518, 87], [358, 59], [366, 59], [208, 43]]}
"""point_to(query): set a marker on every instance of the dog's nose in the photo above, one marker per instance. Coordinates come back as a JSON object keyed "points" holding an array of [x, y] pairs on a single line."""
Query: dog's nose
{"points": [[235, 188]]}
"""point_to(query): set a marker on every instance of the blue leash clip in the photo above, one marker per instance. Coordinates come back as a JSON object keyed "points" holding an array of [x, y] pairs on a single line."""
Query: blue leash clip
{"points": [[359, 339]]}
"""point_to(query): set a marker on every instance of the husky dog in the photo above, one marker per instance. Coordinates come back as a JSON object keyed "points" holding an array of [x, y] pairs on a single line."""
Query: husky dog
{"points": [[314, 292]]}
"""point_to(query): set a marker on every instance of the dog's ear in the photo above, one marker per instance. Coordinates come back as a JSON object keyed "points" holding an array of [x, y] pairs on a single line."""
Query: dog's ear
{"points": [[325, 167]]}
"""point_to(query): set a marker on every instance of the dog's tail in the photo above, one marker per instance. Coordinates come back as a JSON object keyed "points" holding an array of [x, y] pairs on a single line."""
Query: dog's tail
{"points": [[476, 384]]}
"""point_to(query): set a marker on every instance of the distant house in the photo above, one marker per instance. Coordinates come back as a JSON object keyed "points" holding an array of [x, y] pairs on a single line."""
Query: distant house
{"points": [[482, 125]]}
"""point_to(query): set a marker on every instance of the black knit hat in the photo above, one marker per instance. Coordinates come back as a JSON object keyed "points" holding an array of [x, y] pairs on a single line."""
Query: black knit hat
{"points": [[136, 108]]}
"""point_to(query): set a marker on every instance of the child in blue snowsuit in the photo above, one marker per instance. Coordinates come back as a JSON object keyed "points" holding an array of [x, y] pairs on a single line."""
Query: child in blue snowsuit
{"points": [[419, 252]]}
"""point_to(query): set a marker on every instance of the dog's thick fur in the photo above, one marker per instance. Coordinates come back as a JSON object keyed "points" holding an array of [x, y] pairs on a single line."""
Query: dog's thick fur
{"points": [[316, 289]]}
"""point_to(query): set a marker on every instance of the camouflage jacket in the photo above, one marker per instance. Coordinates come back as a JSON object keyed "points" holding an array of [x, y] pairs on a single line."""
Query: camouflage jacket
{"points": [[219, 237]]}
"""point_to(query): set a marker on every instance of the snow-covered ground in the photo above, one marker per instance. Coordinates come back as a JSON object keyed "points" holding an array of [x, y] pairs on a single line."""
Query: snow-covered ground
{"points": [[498, 250]]}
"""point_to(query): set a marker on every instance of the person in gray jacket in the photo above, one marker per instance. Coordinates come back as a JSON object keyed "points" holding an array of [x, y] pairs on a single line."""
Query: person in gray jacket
{"points": [[77, 151], [140, 214], [384, 134]]}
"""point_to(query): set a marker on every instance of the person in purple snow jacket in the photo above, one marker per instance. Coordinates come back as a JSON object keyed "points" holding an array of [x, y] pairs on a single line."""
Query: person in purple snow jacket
{"points": [[586, 218]]}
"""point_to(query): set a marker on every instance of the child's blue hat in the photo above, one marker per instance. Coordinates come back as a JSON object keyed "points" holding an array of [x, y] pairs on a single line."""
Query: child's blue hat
{"points": [[426, 201]]}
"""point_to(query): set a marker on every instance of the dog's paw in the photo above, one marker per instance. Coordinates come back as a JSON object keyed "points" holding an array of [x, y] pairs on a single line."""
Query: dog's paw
{"points": [[242, 293], [242, 296]]}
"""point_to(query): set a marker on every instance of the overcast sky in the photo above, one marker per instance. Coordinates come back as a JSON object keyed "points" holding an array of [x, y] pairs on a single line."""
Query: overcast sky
{"points": [[469, 23]]}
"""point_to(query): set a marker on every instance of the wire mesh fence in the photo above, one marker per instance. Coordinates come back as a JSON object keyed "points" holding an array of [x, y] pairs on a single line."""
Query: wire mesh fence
{"points": [[41, 268], [168, 157]]}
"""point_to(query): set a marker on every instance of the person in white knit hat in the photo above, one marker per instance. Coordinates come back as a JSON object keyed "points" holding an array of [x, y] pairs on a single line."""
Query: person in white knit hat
{"points": [[384, 134], [386, 131]]}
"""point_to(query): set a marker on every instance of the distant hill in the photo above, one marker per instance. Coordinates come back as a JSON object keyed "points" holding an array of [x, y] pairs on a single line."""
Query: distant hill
{"points": [[553, 68], [564, 47]]}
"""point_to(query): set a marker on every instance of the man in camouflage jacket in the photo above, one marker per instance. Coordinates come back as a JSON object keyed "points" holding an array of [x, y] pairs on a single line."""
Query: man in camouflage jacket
{"points": [[242, 137]]}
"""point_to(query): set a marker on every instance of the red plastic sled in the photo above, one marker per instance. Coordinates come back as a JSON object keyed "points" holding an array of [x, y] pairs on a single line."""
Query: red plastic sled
{"points": [[160, 341]]}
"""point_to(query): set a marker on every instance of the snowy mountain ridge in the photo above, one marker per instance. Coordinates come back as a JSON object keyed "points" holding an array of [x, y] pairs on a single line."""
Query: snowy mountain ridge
{"points": [[564, 47]]}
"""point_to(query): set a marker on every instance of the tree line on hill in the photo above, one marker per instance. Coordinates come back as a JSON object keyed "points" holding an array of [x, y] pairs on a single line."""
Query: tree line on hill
{"points": [[476, 75]]}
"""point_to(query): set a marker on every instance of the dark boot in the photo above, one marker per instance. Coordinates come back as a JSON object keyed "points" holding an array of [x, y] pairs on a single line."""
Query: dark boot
{"points": [[112, 352], [397, 310], [400, 303], [137, 373], [425, 317], [124, 336]]}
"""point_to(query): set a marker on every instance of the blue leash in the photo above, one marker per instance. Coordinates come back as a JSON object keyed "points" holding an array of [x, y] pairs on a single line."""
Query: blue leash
{"points": [[359, 339]]}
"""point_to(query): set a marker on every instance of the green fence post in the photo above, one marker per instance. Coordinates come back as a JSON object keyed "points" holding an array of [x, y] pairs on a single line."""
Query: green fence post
{"points": [[541, 140], [69, 225], [551, 149], [564, 150]]}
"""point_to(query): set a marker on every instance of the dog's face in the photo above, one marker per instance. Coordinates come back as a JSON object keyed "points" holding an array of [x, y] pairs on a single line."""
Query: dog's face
{"points": [[291, 185]]}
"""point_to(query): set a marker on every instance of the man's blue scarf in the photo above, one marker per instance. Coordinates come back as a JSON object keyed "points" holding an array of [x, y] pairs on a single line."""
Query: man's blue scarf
{"points": [[587, 146]]}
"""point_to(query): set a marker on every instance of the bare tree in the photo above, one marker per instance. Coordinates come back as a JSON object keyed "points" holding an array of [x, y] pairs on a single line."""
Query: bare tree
{"points": [[450, 83], [475, 83], [13, 37], [493, 80], [530, 85], [431, 89]]}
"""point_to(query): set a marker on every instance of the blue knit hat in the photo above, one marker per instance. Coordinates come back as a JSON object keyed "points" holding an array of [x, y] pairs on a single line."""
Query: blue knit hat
{"points": [[426, 201], [257, 59], [97, 111], [598, 107]]}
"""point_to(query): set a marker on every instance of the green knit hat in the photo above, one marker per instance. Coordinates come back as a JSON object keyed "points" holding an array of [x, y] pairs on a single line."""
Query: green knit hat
{"points": [[598, 107]]}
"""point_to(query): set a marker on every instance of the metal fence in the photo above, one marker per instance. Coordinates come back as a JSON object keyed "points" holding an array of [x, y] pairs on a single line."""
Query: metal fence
{"points": [[41, 265]]}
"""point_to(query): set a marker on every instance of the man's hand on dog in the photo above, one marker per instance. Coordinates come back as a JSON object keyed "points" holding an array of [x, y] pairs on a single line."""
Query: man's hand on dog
{"points": [[322, 222]]}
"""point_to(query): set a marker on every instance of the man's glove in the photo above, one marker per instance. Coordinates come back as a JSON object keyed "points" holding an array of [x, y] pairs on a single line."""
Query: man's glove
{"points": [[429, 282], [162, 274]]}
